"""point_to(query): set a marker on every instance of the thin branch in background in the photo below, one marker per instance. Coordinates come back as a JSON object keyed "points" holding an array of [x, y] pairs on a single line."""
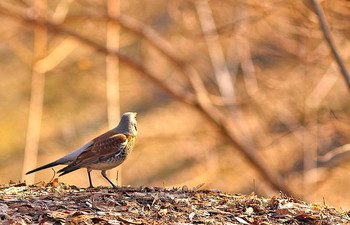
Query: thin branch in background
{"points": [[335, 157], [244, 52], [240, 53], [61, 10], [333, 115], [57, 55], [64, 48], [112, 74], [224, 79], [327, 35], [155, 40], [216, 54], [36, 100], [322, 89], [248, 67]]}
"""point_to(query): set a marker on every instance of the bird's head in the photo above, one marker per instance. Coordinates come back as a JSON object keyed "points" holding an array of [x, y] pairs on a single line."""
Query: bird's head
{"points": [[127, 124]]}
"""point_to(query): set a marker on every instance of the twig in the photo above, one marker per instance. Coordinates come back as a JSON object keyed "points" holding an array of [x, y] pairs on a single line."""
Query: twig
{"points": [[53, 176], [327, 35]]}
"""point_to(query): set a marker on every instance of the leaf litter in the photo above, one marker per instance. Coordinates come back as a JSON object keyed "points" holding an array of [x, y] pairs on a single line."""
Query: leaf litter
{"points": [[57, 203]]}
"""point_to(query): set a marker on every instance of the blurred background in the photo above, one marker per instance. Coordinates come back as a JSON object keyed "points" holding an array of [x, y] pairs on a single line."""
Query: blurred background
{"points": [[242, 95]]}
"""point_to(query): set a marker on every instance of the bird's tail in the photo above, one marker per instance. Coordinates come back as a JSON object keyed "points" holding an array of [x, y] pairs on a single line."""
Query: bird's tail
{"points": [[44, 167], [67, 169]]}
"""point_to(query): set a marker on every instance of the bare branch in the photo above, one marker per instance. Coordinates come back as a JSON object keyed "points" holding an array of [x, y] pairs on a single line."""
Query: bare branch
{"points": [[23, 17], [327, 35], [335, 157], [216, 53]]}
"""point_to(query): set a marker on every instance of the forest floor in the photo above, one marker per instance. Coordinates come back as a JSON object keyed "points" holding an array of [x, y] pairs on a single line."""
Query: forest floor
{"points": [[58, 203]]}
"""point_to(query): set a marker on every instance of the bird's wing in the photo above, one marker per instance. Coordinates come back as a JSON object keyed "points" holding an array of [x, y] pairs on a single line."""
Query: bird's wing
{"points": [[109, 146], [101, 147]]}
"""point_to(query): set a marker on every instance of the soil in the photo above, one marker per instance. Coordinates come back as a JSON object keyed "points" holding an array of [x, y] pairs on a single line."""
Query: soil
{"points": [[58, 203]]}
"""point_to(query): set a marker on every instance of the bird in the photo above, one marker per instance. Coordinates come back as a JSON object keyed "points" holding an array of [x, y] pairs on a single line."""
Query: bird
{"points": [[103, 153]]}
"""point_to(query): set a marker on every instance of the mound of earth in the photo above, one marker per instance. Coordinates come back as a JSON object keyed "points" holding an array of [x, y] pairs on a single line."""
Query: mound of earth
{"points": [[58, 203]]}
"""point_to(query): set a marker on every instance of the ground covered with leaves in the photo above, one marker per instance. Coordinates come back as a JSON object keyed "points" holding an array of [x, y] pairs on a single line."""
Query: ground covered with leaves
{"points": [[57, 203]]}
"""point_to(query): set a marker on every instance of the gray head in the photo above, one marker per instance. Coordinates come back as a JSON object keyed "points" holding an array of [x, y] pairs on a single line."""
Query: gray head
{"points": [[127, 124]]}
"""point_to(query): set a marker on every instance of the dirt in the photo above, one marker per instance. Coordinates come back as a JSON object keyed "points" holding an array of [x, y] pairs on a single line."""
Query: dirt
{"points": [[58, 203]]}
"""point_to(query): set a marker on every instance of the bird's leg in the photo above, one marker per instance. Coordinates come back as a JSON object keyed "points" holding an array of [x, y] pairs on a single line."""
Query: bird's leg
{"points": [[90, 181], [103, 172]]}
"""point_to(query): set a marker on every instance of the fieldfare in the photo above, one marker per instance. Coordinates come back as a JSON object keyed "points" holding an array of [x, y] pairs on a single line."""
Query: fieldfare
{"points": [[103, 152]]}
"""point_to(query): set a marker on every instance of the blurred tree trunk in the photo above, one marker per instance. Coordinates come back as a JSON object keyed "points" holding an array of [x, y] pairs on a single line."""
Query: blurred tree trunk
{"points": [[37, 97], [112, 75]]}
